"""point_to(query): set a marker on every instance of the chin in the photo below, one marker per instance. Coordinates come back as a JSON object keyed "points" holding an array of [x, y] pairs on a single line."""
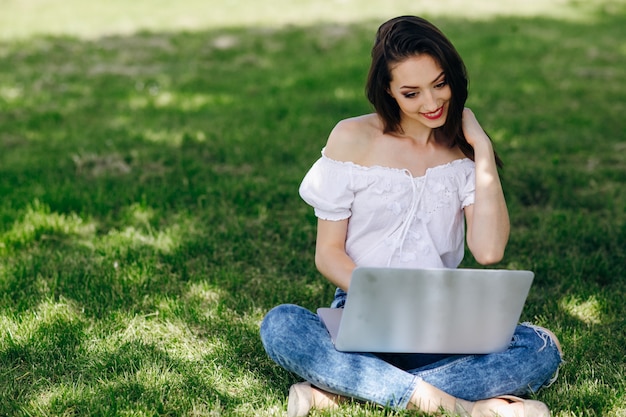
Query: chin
{"points": [[434, 124]]}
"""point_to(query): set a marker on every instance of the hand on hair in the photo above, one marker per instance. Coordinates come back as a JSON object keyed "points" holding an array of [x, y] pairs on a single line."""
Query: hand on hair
{"points": [[474, 133]]}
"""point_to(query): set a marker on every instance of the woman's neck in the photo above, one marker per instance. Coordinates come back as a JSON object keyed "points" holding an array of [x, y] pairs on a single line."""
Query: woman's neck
{"points": [[417, 132]]}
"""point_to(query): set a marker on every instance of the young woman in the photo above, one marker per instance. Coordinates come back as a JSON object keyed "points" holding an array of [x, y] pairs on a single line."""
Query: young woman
{"points": [[397, 188]]}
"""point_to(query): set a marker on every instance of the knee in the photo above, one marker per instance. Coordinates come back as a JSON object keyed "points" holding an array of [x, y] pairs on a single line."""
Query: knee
{"points": [[547, 338], [541, 358], [276, 324], [554, 339], [545, 346]]}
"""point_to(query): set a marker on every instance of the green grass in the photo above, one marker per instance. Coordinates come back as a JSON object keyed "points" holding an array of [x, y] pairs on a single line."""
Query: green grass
{"points": [[149, 171]]}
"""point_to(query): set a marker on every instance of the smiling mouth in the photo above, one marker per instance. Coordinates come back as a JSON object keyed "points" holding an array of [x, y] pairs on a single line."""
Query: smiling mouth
{"points": [[434, 115]]}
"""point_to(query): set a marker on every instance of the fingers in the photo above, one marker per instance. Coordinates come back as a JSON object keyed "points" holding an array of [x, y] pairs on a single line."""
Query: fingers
{"points": [[471, 128]]}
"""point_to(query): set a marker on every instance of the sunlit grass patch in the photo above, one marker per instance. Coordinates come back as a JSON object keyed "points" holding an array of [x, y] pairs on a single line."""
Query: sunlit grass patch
{"points": [[130, 237], [26, 17], [169, 334], [184, 102], [588, 311], [39, 223], [42, 326]]}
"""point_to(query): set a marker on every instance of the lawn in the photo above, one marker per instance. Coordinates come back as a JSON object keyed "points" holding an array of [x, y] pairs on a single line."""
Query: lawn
{"points": [[151, 153]]}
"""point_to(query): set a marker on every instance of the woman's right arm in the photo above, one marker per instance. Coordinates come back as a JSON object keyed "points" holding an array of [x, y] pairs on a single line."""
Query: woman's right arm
{"points": [[348, 141], [331, 258]]}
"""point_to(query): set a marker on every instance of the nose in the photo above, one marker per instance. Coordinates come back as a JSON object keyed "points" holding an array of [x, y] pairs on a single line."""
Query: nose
{"points": [[430, 101]]}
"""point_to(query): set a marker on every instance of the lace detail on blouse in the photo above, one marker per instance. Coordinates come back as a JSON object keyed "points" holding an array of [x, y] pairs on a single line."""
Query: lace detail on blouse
{"points": [[395, 219]]}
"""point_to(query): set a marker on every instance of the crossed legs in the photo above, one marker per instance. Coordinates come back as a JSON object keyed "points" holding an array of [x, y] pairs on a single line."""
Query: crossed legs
{"points": [[295, 339]]}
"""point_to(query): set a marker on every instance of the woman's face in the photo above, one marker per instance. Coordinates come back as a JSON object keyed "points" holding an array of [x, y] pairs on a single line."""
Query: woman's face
{"points": [[419, 86]]}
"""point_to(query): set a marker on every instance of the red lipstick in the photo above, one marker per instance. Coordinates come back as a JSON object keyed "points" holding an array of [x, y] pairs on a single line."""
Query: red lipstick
{"points": [[434, 115]]}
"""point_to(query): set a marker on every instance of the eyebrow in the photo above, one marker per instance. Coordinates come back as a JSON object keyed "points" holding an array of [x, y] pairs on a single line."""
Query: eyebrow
{"points": [[443, 73]]}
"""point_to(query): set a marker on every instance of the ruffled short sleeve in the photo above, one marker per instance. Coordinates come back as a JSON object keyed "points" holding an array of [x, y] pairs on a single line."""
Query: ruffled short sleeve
{"points": [[468, 191], [327, 188]]}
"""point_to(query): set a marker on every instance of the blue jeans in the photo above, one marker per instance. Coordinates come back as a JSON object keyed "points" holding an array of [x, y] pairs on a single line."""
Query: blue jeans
{"points": [[296, 339]]}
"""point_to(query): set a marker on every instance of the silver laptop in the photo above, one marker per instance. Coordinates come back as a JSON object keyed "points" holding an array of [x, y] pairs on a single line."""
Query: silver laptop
{"points": [[456, 311]]}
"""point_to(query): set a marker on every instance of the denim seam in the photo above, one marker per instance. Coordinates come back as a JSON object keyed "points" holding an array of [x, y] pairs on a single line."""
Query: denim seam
{"points": [[406, 398]]}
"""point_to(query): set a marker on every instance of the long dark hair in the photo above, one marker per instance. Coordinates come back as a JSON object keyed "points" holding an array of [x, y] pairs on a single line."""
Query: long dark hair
{"points": [[401, 38]]}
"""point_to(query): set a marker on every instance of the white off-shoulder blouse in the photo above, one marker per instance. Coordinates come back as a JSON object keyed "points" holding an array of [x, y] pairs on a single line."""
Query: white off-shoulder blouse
{"points": [[395, 219]]}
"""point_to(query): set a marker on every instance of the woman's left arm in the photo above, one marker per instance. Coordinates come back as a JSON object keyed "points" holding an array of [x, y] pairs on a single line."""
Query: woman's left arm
{"points": [[488, 218]]}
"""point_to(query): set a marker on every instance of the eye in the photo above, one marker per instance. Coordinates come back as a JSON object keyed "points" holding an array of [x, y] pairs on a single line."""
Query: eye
{"points": [[441, 84], [412, 94]]}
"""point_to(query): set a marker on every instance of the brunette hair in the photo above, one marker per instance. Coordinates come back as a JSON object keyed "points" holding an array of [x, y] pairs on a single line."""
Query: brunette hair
{"points": [[401, 38]]}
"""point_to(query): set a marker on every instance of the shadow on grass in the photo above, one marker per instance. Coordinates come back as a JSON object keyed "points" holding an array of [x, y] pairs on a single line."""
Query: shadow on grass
{"points": [[150, 213]]}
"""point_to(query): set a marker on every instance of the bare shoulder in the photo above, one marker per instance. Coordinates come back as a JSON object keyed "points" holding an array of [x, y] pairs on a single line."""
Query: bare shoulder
{"points": [[351, 138]]}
